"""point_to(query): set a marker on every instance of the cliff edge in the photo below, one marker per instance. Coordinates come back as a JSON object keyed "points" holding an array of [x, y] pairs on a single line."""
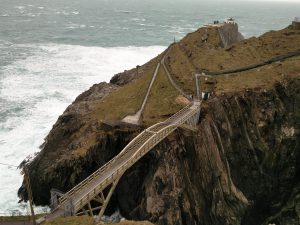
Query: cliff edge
{"points": [[241, 165]]}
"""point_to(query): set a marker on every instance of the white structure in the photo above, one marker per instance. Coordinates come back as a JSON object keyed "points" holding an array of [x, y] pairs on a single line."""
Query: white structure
{"points": [[296, 23], [205, 95]]}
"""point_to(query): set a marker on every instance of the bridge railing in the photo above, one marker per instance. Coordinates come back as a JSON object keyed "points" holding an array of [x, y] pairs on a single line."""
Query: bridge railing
{"points": [[132, 146], [98, 172], [148, 145], [140, 152]]}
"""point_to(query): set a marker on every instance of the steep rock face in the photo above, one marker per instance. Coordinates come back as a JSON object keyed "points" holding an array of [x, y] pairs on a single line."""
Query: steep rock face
{"points": [[229, 34], [240, 167], [50, 168]]}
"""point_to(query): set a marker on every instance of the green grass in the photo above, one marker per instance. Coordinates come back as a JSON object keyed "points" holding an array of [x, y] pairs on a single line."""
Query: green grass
{"points": [[181, 69], [264, 77], [18, 218], [162, 102], [80, 220], [186, 57], [126, 100], [191, 54]]}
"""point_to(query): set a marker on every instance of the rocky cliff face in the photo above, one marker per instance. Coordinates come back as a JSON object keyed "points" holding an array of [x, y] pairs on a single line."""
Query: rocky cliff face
{"points": [[229, 34], [241, 166]]}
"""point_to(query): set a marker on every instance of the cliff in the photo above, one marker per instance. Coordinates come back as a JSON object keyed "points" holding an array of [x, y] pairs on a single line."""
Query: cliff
{"points": [[241, 166]]}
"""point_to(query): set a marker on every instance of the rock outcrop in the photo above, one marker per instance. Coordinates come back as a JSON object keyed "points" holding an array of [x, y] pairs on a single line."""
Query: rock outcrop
{"points": [[229, 33], [241, 166]]}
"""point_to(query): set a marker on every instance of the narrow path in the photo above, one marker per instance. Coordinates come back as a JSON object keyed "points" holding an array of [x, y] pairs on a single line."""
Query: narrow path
{"points": [[172, 81], [135, 119], [254, 66]]}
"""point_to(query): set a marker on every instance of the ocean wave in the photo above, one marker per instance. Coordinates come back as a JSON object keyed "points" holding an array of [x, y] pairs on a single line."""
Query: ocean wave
{"points": [[76, 26], [19, 7], [124, 11], [32, 14], [65, 13], [5, 43], [44, 84], [147, 24], [138, 19]]}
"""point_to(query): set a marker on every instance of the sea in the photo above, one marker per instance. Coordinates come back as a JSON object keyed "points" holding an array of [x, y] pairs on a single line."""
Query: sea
{"points": [[53, 50]]}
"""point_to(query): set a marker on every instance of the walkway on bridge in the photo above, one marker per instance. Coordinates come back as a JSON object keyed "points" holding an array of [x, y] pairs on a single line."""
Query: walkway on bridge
{"points": [[78, 200]]}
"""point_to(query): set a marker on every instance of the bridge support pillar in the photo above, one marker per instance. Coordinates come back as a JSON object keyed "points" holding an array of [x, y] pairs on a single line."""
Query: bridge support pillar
{"points": [[106, 199], [191, 123], [89, 198], [69, 208], [55, 195]]}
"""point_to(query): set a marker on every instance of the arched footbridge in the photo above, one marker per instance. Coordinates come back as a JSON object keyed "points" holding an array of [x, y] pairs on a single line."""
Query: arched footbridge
{"points": [[88, 197]]}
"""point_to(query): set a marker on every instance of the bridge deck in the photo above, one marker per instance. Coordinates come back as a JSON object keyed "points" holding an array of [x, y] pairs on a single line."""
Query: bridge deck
{"points": [[132, 148], [85, 191]]}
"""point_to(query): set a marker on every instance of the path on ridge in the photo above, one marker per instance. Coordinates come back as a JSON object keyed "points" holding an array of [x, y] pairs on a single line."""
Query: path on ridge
{"points": [[85, 191], [135, 119], [171, 79]]}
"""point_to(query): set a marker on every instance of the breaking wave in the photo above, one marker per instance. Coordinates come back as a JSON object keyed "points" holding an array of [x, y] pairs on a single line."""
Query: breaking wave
{"points": [[36, 89]]}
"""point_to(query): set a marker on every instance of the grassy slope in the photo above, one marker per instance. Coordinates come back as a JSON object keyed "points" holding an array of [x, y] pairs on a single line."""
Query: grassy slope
{"points": [[17, 218], [191, 55], [181, 69], [81, 220], [183, 60], [126, 100], [264, 77], [162, 100], [122, 102]]}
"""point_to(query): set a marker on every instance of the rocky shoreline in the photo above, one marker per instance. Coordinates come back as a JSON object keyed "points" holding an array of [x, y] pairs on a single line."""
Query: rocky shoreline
{"points": [[241, 166]]}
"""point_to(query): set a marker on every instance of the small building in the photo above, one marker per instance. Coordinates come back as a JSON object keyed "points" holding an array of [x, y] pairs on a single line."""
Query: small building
{"points": [[205, 95], [296, 23], [229, 20]]}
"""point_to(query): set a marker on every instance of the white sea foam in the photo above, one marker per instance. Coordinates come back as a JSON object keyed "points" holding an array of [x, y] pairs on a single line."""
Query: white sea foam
{"points": [[124, 11], [42, 86], [76, 26], [19, 7], [138, 19]]}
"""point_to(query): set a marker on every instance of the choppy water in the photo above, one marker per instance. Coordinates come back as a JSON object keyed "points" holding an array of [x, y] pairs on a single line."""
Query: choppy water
{"points": [[51, 51]]}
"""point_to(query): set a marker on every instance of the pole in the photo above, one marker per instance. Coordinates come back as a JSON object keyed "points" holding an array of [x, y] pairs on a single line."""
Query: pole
{"points": [[197, 86], [28, 187]]}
